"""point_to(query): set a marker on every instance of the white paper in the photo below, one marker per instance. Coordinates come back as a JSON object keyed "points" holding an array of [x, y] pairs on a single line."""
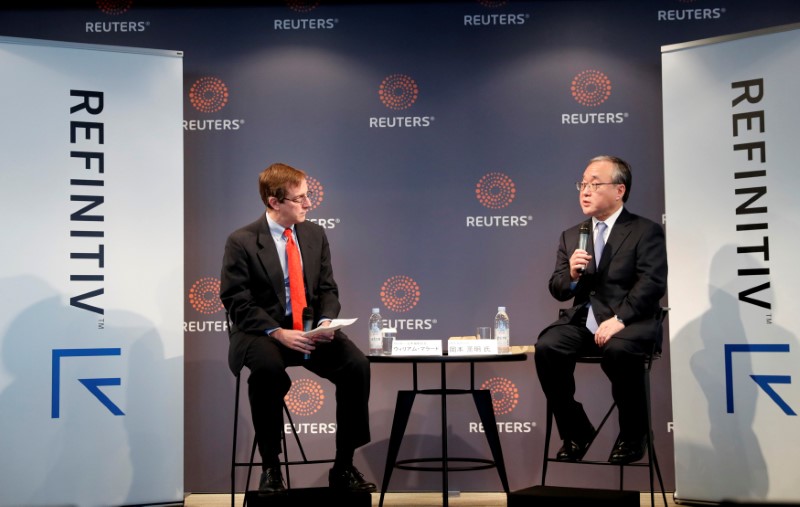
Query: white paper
{"points": [[334, 325]]}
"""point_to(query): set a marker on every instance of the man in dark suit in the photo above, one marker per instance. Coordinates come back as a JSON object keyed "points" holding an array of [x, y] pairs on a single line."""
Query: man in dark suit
{"points": [[614, 310], [265, 333]]}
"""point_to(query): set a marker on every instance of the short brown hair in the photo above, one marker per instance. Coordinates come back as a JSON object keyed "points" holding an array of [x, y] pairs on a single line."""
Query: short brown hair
{"points": [[276, 179]]}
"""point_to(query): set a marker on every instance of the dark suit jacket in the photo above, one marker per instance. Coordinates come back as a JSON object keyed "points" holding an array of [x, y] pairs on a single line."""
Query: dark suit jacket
{"points": [[252, 288], [629, 283]]}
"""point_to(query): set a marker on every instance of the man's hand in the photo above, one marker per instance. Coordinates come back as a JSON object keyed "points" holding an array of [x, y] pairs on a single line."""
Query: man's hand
{"points": [[323, 336], [607, 329], [578, 262], [294, 339]]}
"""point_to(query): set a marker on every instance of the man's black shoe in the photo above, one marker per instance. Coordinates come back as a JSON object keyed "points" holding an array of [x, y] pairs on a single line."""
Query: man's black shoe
{"points": [[349, 479], [271, 482], [628, 451], [572, 451], [575, 449]]}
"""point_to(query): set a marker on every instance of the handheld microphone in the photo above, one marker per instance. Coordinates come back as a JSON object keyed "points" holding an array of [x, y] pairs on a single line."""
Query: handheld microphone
{"points": [[308, 324], [583, 239]]}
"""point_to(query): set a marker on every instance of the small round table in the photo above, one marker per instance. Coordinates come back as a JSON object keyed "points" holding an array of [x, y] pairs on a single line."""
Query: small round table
{"points": [[483, 403]]}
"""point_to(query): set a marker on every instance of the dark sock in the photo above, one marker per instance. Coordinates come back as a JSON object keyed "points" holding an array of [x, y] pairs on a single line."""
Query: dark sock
{"points": [[271, 462], [343, 459]]}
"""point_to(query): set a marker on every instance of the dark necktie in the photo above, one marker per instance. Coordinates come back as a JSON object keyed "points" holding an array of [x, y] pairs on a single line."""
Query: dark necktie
{"points": [[297, 291]]}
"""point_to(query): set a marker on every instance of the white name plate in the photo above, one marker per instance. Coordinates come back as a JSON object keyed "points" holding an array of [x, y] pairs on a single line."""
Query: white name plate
{"points": [[471, 347], [417, 348]]}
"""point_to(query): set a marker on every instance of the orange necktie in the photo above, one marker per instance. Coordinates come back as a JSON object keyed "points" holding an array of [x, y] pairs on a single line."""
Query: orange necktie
{"points": [[297, 291]]}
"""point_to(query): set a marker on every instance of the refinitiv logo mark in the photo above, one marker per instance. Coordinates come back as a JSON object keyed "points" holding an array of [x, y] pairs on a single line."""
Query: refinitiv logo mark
{"points": [[210, 95], [591, 88], [399, 92], [495, 191]]}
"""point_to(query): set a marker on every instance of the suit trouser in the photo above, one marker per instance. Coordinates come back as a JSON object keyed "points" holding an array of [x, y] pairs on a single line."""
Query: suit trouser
{"points": [[623, 363], [339, 361]]}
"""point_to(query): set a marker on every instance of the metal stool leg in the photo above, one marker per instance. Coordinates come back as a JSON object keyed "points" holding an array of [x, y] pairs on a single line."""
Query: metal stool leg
{"points": [[233, 447]]}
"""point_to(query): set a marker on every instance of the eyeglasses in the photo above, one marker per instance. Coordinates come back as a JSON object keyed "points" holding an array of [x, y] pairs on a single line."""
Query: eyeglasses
{"points": [[594, 186], [298, 199]]}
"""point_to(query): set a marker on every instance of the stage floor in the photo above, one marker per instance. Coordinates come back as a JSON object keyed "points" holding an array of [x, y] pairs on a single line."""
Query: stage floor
{"points": [[427, 499]]}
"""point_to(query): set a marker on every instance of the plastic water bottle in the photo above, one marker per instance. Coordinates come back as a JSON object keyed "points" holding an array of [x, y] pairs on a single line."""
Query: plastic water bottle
{"points": [[501, 331], [375, 337]]}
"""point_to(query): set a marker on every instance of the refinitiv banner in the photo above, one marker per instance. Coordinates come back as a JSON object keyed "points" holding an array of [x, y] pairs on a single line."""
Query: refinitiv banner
{"points": [[732, 153], [91, 275]]}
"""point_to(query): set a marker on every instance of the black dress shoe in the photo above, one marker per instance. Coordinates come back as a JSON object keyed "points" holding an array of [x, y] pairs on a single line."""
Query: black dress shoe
{"points": [[572, 450], [628, 451], [271, 482], [349, 479]]}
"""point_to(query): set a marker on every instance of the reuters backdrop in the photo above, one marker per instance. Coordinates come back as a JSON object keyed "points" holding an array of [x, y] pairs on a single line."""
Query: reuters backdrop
{"points": [[442, 142]]}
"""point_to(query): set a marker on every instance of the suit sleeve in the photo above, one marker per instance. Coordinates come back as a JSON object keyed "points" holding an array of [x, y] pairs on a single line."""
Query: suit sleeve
{"points": [[560, 279], [650, 283]]}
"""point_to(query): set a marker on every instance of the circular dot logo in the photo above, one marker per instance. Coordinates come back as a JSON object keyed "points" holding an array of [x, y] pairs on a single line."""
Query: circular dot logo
{"points": [[505, 395], [301, 6], [317, 190], [400, 293], [114, 7], [208, 95], [398, 92], [204, 296], [305, 397], [591, 88], [495, 190], [493, 3]]}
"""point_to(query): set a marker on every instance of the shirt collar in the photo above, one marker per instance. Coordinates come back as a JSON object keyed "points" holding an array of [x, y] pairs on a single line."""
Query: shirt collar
{"points": [[610, 221], [275, 228]]}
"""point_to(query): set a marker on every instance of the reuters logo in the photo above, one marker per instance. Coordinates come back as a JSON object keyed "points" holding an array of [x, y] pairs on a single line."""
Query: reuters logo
{"points": [[208, 95], [493, 3], [305, 397], [114, 7], [316, 190], [505, 395], [204, 296], [591, 88], [495, 190], [400, 293], [300, 6], [398, 92]]}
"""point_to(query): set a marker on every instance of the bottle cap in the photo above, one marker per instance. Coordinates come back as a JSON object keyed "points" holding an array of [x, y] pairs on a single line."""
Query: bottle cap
{"points": [[501, 309], [375, 310]]}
